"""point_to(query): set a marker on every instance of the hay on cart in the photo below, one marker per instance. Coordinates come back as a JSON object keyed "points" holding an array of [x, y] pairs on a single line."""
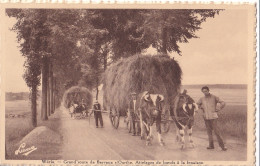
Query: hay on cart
{"points": [[156, 74], [75, 95]]}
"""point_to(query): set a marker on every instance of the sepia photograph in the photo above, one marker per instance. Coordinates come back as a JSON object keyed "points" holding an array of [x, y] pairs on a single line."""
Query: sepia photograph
{"points": [[128, 86]]}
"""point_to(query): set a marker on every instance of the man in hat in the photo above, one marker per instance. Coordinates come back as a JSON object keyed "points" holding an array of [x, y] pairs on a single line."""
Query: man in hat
{"points": [[132, 110], [97, 113]]}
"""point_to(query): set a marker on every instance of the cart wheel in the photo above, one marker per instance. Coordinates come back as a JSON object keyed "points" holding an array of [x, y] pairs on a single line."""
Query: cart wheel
{"points": [[114, 117], [165, 124]]}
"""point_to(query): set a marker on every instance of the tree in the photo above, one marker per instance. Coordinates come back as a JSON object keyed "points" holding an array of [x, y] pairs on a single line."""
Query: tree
{"points": [[45, 70], [63, 44], [31, 34], [167, 28], [91, 63], [32, 78], [51, 83]]}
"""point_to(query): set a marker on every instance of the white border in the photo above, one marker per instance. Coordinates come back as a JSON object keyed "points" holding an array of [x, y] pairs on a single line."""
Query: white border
{"points": [[206, 2], [257, 87]]}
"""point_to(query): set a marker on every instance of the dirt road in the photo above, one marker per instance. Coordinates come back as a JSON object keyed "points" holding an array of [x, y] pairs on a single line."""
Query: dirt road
{"points": [[83, 141]]}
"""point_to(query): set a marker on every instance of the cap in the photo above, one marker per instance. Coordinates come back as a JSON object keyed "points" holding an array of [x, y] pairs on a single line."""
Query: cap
{"points": [[133, 93]]}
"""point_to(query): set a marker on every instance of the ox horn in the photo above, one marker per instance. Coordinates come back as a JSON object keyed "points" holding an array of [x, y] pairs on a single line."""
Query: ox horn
{"points": [[162, 97], [145, 95], [146, 98]]}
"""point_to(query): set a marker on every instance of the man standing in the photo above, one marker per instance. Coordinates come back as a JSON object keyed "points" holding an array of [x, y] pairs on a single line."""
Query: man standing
{"points": [[208, 104], [83, 107], [97, 114], [83, 103], [132, 110]]}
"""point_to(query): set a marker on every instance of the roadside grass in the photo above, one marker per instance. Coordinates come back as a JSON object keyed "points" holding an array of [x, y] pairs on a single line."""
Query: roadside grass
{"points": [[232, 121], [18, 127]]}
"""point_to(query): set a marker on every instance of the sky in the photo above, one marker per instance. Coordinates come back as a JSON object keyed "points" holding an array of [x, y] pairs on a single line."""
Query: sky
{"points": [[218, 56]]}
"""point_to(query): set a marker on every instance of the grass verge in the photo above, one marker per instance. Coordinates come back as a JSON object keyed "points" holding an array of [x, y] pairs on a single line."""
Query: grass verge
{"points": [[18, 127]]}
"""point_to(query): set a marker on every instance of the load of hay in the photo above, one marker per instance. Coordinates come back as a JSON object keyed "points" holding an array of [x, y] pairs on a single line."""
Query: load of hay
{"points": [[75, 94], [156, 74]]}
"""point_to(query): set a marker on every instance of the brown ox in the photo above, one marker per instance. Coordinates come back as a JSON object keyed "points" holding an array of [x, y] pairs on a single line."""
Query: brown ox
{"points": [[151, 107]]}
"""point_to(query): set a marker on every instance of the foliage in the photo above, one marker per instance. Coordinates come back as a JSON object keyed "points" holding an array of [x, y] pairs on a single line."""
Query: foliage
{"points": [[32, 72], [124, 31], [168, 27]]}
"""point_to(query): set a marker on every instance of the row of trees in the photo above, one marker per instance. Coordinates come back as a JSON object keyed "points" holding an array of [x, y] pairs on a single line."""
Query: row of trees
{"points": [[76, 46]]}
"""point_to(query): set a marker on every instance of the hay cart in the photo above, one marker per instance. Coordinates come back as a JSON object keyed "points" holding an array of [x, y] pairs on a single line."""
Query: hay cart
{"points": [[79, 111], [78, 100], [156, 74]]}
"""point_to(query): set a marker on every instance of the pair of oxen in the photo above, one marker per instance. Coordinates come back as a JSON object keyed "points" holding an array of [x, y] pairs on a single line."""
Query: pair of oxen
{"points": [[151, 107]]}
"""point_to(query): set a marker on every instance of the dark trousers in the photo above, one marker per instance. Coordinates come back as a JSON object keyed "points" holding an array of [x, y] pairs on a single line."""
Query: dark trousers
{"points": [[98, 115], [158, 121], [212, 125], [134, 123]]}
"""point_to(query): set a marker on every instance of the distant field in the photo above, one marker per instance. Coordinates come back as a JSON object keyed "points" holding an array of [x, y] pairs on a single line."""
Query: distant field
{"points": [[17, 107]]}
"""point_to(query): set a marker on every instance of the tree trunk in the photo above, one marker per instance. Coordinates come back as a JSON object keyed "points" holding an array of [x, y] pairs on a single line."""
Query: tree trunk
{"points": [[105, 62], [48, 91], [105, 58], [54, 93], [34, 105], [44, 88], [51, 89], [6, 154], [96, 68], [97, 89], [97, 94], [164, 40]]}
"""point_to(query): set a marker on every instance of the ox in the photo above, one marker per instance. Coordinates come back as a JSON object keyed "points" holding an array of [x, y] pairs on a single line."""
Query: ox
{"points": [[184, 117], [151, 107]]}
